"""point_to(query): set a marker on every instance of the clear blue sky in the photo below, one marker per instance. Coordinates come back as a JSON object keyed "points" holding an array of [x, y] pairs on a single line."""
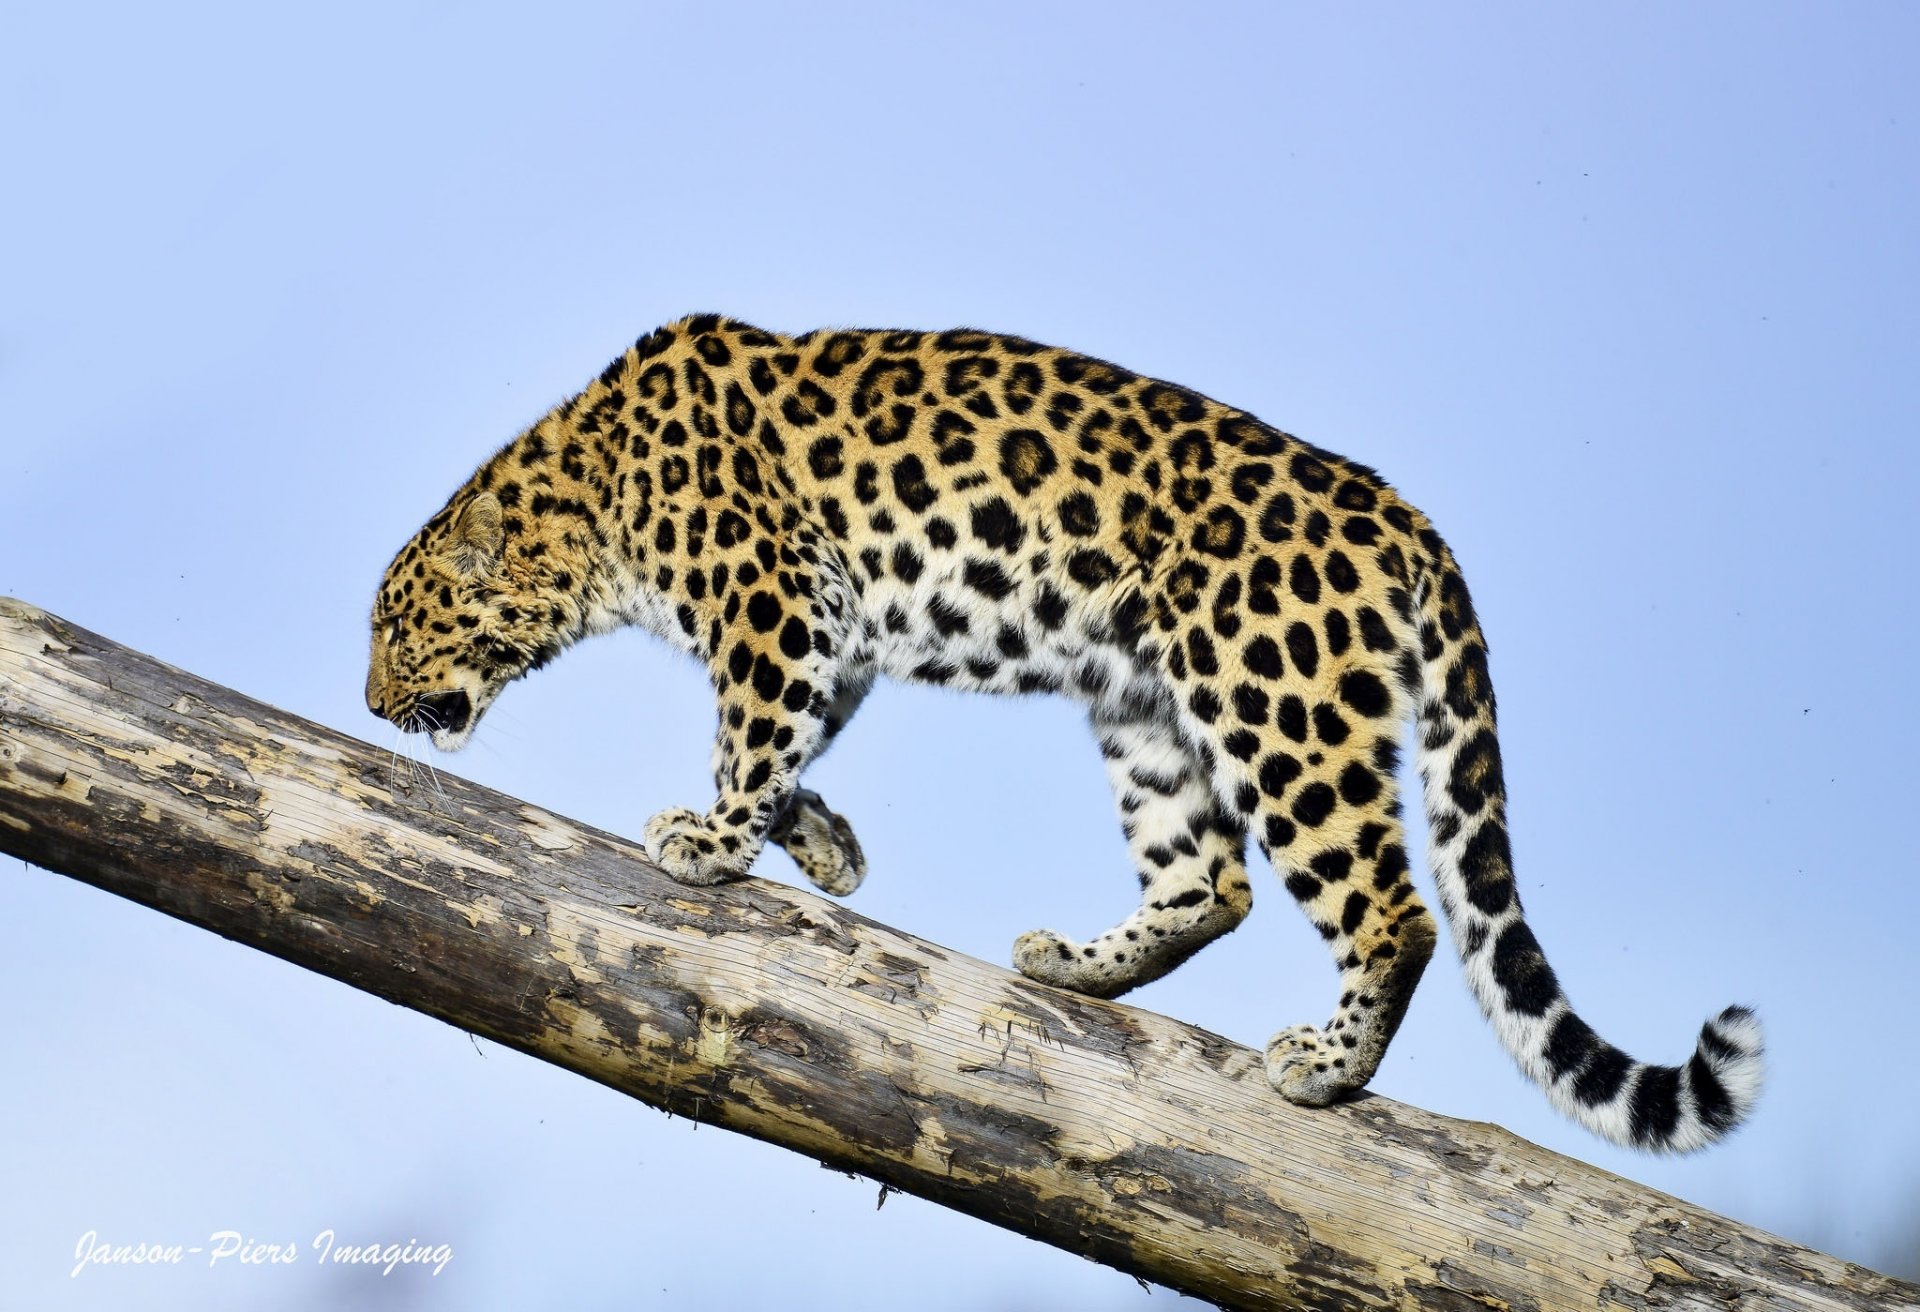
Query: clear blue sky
{"points": [[1624, 298]]}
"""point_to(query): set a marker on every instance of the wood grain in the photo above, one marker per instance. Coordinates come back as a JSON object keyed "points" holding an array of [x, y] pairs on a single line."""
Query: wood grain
{"points": [[1108, 1131]]}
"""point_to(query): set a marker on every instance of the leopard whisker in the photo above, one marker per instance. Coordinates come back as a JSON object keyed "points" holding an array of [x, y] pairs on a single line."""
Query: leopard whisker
{"points": [[434, 775], [433, 723], [393, 763]]}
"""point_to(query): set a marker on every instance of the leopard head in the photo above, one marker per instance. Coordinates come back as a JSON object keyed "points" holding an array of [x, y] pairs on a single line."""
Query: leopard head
{"points": [[456, 621]]}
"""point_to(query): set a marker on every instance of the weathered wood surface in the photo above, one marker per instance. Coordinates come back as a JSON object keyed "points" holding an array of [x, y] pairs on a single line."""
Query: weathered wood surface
{"points": [[1108, 1131]]}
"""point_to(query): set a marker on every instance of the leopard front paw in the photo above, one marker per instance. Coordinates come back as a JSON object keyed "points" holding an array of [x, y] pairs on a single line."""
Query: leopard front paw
{"points": [[683, 843], [822, 844], [1308, 1068]]}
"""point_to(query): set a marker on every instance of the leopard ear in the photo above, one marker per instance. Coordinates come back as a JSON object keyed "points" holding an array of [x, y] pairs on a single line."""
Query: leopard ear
{"points": [[477, 535]]}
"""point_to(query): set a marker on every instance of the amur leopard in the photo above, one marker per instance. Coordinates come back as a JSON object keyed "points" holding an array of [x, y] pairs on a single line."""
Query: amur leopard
{"points": [[1247, 618]]}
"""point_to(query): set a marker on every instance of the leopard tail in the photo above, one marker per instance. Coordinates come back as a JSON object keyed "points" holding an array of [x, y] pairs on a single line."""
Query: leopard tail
{"points": [[1632, 1103]]}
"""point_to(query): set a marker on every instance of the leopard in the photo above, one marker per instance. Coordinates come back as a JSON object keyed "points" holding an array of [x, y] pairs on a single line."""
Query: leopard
{"points": [[1250, 621]]}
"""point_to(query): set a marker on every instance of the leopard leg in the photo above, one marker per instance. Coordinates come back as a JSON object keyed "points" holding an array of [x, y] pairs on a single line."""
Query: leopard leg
{"points": [[1319, 787], [819, 840], [775, 664], [1188, 851], [821, 843], [1357, 894]]}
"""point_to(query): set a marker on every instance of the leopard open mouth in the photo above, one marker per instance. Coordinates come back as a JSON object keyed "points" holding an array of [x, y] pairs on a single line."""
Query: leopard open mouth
{"points": [[439, 712]]}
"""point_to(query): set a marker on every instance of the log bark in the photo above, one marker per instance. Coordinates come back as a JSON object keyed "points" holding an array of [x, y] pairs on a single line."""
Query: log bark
{"points": [[1124, 1136]]}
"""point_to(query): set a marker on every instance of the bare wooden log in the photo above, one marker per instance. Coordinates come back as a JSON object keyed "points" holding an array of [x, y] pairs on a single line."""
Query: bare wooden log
{"points": [[1111, 1132]]}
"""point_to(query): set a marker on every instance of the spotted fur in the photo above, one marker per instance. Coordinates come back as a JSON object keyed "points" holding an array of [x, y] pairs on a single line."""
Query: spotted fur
{"points": [[1247, 618]]}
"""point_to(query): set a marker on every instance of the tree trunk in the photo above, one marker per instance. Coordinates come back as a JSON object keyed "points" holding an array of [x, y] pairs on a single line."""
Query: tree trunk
{"points": [[1111, 1132]]}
